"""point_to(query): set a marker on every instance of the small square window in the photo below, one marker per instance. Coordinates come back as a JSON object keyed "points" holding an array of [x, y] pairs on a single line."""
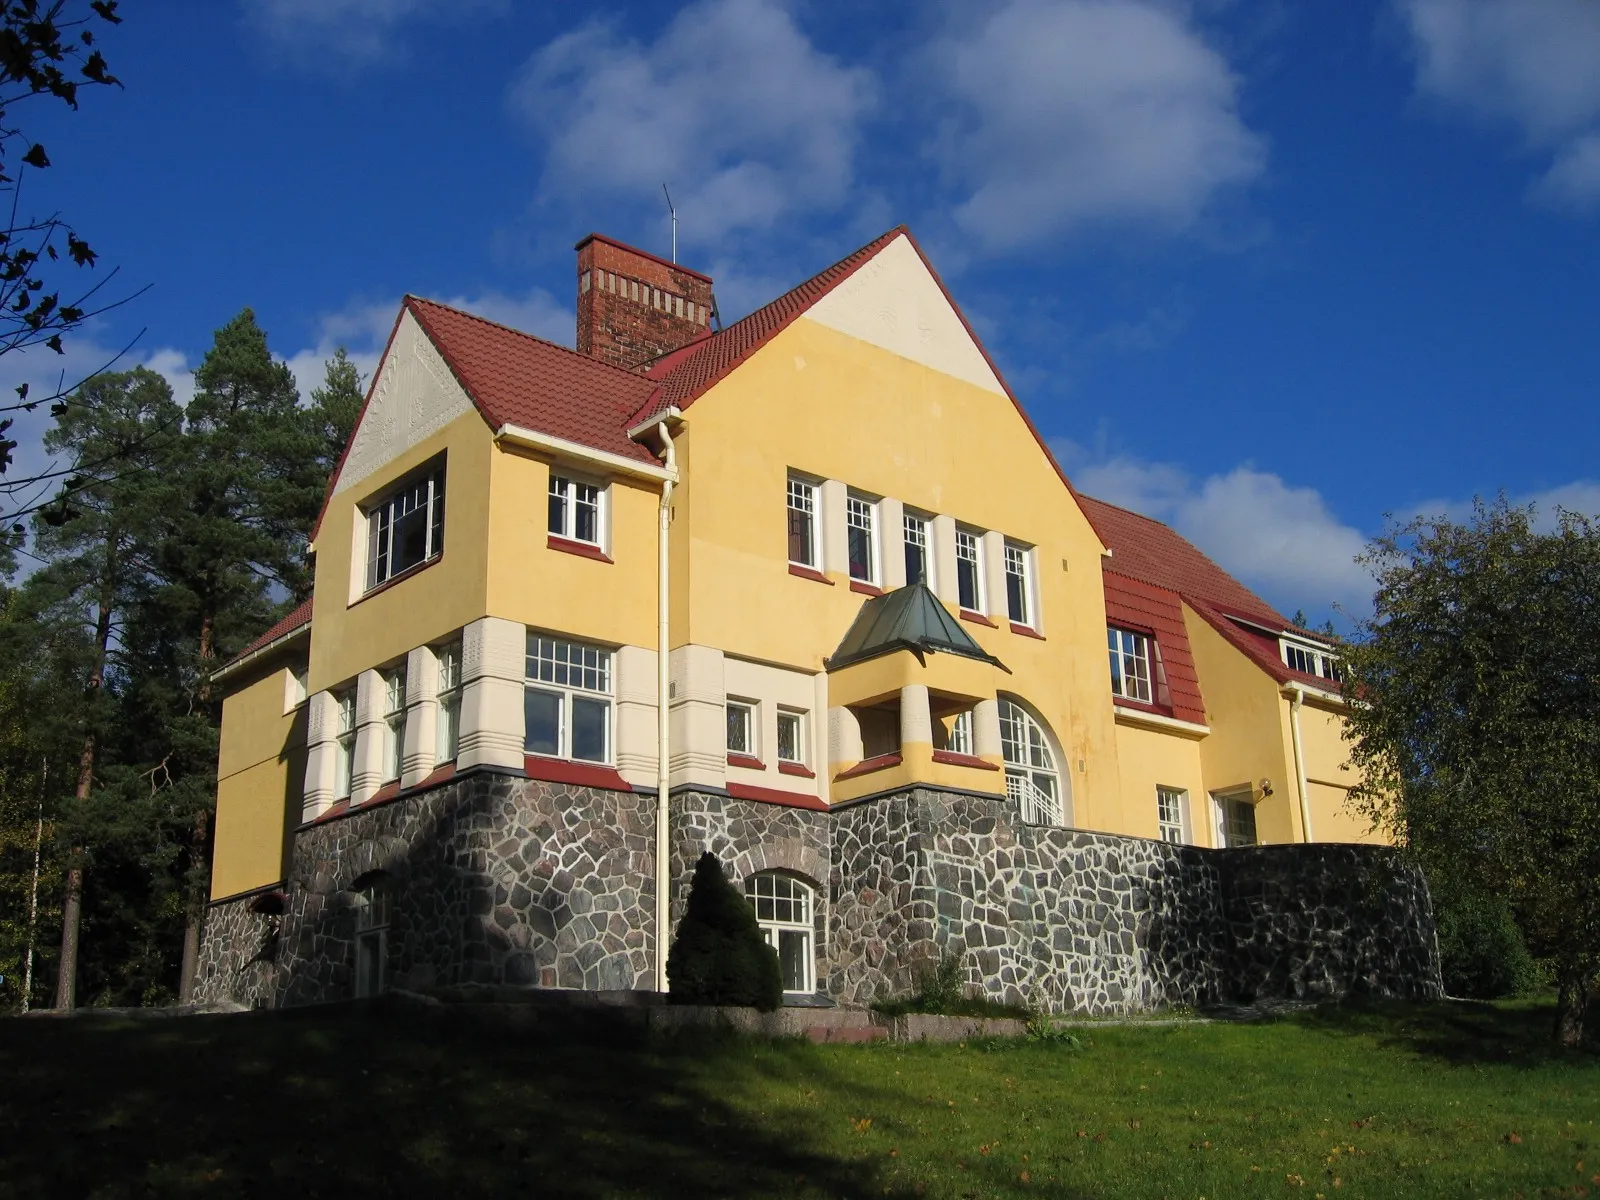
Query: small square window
{"points": [[575, 510], [791, 737], [741, 728], [1171, 818]]}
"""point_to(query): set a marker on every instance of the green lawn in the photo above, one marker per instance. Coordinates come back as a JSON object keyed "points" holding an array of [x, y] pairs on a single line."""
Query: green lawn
{"points": [[387, 1100]]}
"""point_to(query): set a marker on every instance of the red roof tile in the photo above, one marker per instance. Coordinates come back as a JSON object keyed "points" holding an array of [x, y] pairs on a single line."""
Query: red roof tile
{"points": [[517, 379], [300, 615]]}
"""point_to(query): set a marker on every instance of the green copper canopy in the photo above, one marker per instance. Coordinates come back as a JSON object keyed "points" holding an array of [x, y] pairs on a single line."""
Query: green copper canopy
{"points": [[909, 618]]}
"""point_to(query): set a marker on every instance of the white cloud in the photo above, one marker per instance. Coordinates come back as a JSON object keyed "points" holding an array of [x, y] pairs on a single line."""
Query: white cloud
{"points": [[348, 31], [1282, 540], [1530, 64], [1080, 112], [732, 106]]}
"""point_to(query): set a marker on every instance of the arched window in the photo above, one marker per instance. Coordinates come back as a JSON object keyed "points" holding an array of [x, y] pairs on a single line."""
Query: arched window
{"points": [[784, 910], [1031, 777], [373, 894]]}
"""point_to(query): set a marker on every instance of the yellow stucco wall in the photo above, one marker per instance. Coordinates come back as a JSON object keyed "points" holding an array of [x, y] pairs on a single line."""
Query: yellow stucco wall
{"points": [[551, 589], [822, 402], [1148, 759], [260, 777], [1329, 776], [346, 637], [1249, 739]]}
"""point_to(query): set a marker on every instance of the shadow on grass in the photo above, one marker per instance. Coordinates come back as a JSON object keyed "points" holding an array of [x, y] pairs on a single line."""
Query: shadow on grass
{"points": [[1458, 1031], [378, 1099]]}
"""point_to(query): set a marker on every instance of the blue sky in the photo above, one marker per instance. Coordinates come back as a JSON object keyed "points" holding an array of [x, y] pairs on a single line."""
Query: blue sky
{"points": [[1264, 270]]}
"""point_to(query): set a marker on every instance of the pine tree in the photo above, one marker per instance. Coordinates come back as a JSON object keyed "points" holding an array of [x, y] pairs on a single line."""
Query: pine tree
{"points": [[334, 408], [719, 956]]}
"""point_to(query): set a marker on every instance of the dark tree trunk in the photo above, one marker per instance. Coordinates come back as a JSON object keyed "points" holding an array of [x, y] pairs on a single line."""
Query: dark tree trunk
{"points": [[1572, 1004], [72, 904], [195, 919]]}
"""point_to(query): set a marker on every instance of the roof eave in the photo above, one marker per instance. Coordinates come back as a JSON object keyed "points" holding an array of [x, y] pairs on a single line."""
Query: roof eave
{"points": [[616, 463], [283, 639]]}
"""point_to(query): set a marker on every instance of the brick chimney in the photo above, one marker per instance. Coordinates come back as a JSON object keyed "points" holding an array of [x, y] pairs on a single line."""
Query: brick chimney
{"points": [[633, 306]]}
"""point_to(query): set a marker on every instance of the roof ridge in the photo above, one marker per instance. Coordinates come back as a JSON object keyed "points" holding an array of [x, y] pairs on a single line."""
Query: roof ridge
{"points": [[512, 329]]}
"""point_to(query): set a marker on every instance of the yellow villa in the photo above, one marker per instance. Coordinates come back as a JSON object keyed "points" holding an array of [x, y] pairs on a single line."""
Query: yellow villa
{"points": [[920, 695]]}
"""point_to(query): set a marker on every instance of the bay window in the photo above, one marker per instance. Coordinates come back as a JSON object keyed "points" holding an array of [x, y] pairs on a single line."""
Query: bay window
{"points": [[567, 701]]}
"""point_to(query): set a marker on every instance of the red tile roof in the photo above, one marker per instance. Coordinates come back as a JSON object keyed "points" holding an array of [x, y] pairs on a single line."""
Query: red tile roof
{"points": [[517, 379], [1145, 550], [1133, 604], [300, 615]]}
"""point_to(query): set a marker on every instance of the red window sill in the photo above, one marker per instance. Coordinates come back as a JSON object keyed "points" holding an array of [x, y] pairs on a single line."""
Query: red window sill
{"points": [[977, 618], [800, 572], [397, 579], [792, 768], [866, 766], [963, 760], [748, 761], [581, 549], [562, 770], [743, 791], [866, 589], [1026, 632]]}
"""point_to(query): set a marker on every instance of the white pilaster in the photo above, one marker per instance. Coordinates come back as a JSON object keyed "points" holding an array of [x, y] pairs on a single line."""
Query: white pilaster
{"points": [[942, 530], [422, 715], [994, 577], [698, 715], [835, 540], [986, 729], [844, 738], [322, 748], [493, 670], [368, 775], [636, 731], [818, 733], [916, 723], [892, 539]]}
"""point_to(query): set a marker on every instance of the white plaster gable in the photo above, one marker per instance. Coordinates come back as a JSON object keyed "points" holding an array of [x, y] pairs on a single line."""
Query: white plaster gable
{"points": [[414, 396], [895, 303]]}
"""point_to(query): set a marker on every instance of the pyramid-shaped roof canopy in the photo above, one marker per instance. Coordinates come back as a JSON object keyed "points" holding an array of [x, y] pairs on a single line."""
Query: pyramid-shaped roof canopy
{"points": [[908, 618]]}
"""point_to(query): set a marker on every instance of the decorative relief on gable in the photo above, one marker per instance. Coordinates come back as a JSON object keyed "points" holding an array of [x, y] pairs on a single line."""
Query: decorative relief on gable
{"points": [[893, 302], [415, 396]]}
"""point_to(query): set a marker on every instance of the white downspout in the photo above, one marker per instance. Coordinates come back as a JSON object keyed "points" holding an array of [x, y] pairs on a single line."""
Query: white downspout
{"points": [[1299, 759], [663, 734]]}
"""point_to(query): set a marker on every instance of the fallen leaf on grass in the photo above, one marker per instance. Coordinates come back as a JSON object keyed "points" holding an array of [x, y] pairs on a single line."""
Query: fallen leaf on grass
{"points": [[864, 1124], [1295, 1181], [1082, 1133], [1514, 1138], [1025, 1177]]}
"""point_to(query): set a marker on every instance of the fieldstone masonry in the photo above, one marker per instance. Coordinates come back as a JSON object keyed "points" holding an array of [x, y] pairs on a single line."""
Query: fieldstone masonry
{"points": [[513, 881]]}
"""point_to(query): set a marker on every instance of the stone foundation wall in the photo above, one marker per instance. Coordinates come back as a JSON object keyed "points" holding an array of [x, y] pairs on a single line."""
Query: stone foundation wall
{"points": [[513, 881]]}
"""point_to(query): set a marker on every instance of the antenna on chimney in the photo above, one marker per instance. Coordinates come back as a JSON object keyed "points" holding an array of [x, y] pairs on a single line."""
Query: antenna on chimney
{"points": [[674, 214]]}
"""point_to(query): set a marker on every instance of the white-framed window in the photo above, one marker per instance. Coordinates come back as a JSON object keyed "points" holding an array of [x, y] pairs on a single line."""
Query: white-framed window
{"points": [[919, 562], [1172, 816], [577, 510], [969, 569], [566, 706], [294, 688], [447, 727], [802, 511], [741, 716], [960, 737], [394, 722], [1236, 818], [372, 935], [861, 529], [1019, 584], [791, 736], [1031, 778], [1130, 664], [784, 907], [344, 759], [405, 528], [1312, 660]]}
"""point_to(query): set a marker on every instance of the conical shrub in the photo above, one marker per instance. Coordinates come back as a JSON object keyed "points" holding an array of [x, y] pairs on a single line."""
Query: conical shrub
{"points": [[719, 955]]}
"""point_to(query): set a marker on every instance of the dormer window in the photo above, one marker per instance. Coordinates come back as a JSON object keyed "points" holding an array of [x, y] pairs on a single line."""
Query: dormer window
{"points": [[1312, 660], [1130, 664], [406, 527]]}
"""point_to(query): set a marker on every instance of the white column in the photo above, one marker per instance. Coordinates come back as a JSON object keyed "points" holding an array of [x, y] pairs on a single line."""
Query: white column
{"points": [[419, 754], [698, 714], [817, 734], [368, 775], [943, 532], [636, 715], [493, 669], [994, 577], [916, 722], [835, 541], [892, 538], [844, 738], [322, 749], [986, 729]]}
